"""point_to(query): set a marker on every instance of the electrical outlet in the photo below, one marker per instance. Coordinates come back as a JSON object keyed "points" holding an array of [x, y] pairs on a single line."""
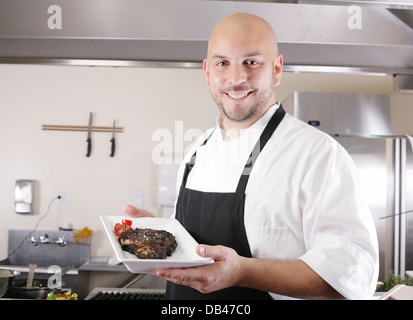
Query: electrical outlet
{"points": [[138, 198], [64, 196]]}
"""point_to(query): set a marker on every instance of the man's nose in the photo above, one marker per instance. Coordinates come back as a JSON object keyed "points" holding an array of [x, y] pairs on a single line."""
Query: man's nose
{"points": [[237, 75]]}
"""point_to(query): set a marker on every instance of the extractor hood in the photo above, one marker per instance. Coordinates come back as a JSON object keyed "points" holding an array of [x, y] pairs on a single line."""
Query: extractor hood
{"points": [[351, 114], [354, 36]]}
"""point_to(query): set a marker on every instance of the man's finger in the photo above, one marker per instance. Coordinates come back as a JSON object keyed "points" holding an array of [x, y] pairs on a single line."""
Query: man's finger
{"points": [[135, 212], [214, 252]]}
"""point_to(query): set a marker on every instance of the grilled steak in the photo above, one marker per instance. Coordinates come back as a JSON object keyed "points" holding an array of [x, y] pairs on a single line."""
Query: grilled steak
{"points": [[148, 243]]}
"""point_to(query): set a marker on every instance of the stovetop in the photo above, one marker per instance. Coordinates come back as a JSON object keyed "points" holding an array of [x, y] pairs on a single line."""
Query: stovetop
{"points": [[100, 293]]}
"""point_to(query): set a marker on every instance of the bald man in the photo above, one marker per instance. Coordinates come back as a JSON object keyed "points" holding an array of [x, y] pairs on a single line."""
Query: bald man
{"points": [[273, 201], [252, 44]]}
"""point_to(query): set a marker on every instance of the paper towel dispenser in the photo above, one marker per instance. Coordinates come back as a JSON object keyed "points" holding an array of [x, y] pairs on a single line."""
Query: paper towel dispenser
{"points": [[167, 188], [23, 196]]}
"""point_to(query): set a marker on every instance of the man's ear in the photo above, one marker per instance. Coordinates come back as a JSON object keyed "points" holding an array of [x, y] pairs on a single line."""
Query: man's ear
{"points": [[278, 69], [206, 71]]}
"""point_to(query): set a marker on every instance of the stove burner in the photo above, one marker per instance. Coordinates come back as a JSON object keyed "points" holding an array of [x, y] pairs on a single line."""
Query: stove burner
{"points": [[126, 294]]}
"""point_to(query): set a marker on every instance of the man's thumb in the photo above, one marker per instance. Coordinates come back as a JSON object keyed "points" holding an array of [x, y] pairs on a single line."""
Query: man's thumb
{"points": [[213, 252]]}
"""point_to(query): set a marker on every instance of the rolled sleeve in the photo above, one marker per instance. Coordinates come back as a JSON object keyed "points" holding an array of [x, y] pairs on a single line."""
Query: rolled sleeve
{"points": [[343, 265], [339, 231]]}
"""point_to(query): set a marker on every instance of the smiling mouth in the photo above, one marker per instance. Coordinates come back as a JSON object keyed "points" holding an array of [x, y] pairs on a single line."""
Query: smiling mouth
{"points": [[238, 96]]}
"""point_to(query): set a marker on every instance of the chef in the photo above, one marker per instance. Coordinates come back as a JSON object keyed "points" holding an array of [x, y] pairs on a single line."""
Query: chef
{"points": [[276, 203]]}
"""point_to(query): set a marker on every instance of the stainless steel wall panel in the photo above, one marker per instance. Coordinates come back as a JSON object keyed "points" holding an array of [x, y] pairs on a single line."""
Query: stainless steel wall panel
{"points": [[351, 114]]}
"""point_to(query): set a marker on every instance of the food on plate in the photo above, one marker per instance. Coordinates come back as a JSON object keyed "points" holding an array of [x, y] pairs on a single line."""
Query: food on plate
{"points": [[148, 243], [61, 296], [145, 243], [121, 227]]}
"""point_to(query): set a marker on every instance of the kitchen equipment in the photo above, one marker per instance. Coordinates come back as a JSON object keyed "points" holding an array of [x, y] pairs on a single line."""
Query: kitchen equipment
{"points": [[22, 251], [44, 238], [399, 292], [112, 151], [23, 196], [383, 44], [100, 293], [46, 253], [37, 288], [89, 134], [167, 177], [32, 267], [58, 127], [6, 280]]}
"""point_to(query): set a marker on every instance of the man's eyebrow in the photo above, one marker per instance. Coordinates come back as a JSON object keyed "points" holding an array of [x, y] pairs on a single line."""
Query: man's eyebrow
{"points": [[218, 56], [253, 54], [248, 55]]}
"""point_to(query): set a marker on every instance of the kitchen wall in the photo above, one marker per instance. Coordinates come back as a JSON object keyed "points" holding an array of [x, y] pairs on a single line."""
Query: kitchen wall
{"points": [[144, 101]]}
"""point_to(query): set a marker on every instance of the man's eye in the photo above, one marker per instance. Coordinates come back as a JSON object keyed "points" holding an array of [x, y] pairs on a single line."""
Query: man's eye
{"points": [[252, 62], [221, 63]]}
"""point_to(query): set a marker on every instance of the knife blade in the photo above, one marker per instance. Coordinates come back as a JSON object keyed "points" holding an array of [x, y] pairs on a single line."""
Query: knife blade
{"points": [[89, 135], [112, 151]]}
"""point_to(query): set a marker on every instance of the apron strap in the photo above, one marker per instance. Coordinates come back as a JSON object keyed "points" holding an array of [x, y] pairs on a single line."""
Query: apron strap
{"points": [[265, 136], [190, 164]]}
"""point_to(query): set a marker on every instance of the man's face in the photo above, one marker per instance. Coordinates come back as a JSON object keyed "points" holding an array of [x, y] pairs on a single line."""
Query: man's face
{"points": [[242, 72]]}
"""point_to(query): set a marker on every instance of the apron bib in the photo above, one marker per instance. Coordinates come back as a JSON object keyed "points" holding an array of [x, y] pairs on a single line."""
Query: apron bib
{"points": [[218, 219]]}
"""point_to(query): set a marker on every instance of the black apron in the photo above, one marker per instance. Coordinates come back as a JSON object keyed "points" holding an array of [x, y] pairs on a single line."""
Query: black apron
{"points": [[218, 219]]}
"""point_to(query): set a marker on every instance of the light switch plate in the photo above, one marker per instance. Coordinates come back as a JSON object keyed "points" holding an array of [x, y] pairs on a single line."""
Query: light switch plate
{"points": [[138, 198]]}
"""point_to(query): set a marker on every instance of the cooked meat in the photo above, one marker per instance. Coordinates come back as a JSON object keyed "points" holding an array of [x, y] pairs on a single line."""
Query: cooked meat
{"points": [[148, 243]]}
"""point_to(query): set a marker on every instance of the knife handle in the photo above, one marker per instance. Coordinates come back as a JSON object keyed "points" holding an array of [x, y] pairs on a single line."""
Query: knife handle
{"points": [[112, 151], [89, 146]]}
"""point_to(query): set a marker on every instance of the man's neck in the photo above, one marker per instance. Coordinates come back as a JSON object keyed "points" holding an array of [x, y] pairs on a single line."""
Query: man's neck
{"points": [[234, 129]]}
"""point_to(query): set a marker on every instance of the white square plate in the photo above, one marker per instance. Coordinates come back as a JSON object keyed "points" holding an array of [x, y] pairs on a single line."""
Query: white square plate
{"points": [[184, 255]]}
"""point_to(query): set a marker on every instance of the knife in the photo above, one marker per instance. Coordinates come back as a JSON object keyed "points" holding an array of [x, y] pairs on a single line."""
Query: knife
{"points": [[89, 134], [112, 152]]}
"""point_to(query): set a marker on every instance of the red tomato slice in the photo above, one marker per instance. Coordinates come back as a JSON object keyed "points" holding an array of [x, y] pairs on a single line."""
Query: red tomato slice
{"points": [[118, 229], [126, 222]]}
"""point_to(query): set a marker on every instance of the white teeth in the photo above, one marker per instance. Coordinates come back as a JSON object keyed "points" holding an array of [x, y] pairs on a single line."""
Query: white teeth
{"points": [[238, 96]]}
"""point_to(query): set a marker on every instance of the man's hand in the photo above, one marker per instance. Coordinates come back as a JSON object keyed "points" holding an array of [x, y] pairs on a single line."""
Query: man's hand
{"points": [[135, 212], [291, 278], [224, 272]]}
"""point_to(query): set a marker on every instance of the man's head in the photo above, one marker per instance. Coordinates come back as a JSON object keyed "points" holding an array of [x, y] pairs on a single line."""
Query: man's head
{"points": [[243, 67]]}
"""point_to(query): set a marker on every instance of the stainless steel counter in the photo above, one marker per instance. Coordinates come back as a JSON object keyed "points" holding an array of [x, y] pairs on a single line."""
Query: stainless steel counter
{"points": [[107, 272], [108, 264], [38, 270], [97, 272]]}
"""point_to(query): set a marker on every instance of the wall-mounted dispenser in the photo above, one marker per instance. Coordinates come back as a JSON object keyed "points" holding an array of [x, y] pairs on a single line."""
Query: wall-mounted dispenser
{"points": [[167, 188], [23, 196]]}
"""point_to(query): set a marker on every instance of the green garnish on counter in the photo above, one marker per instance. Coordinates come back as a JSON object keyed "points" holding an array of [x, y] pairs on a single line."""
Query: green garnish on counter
{"points": [[393, 281]]}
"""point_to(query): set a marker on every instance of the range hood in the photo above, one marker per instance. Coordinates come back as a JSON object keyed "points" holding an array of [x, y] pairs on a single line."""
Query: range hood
{"points": [[351, 114], [317, 37]]}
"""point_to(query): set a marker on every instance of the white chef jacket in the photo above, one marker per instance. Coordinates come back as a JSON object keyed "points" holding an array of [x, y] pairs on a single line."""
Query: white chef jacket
{"points": [[303, 200]]}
